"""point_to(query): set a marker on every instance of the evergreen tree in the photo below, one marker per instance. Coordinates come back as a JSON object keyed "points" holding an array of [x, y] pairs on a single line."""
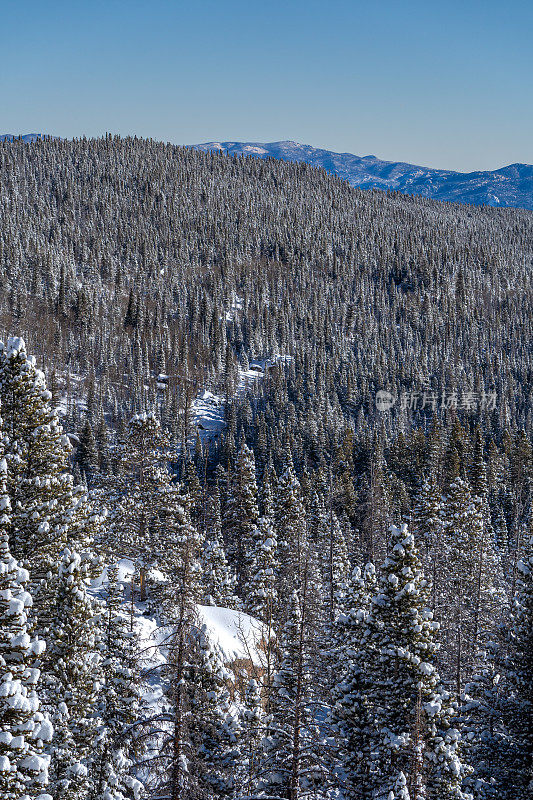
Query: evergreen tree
{"points": [[472, 590], [290, 529], [119, 702], [180, 556], [261, 592], [218, 578], [334, 561], [402, 714], [252, 727], [194, 490], [242, 513], [39, 484], [284, 721], [72, 674], [87, 452], [497, 706], [289, 766], [141, 491], [214, 730], [377, 502], [518, 667], [350, 712], [478, 469], [173, 770], [24, 729], [428, 527]]}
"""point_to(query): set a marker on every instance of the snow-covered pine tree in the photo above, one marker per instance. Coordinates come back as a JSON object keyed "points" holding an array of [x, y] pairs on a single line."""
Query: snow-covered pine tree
{"points": [[497, 709], [316, 517], [71, 677], [139, 490], [268, 483], [178, 596], [290, 529], [400, 790], [180, 555], [284, 721], [501, 536], [472, 589], [290, 765], [218, 577], [261, 593], [483, 725], [261, 597], [242, 513], [350, 711], [518, 666], [478, 467], [87, 452], [428, 527], [24, 728], [376, 501], [194, 489], [252, 726], [409, 722], [39, 483], [118, 702], [457, 454], [213, 728], [335, 565]]}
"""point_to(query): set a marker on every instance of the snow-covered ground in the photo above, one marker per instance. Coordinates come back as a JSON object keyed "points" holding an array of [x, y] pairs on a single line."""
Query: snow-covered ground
{"points": [[208, 414], [234, 635], [74, 395], [235, 308], [208, 411]]}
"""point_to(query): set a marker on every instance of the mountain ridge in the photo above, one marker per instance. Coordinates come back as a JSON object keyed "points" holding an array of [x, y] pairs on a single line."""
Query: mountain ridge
{"points": [[509, 186], [26, 137]]}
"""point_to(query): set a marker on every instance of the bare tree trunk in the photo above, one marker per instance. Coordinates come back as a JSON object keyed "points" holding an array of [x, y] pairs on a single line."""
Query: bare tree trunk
{"points": [[516, 558], [415, 779], [269, 664], [477, 607], [330, 565], [132, 606], [294, 791], [458, 669], [176, 781]]}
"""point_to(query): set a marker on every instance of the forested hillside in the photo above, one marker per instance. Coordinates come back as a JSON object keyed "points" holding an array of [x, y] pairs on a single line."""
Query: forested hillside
{"points": [[268, 394], [510, 186]]}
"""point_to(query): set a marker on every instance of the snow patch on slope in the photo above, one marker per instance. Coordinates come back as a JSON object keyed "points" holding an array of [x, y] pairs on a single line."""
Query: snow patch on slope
{"points": [[234, 634], [208, 409]]}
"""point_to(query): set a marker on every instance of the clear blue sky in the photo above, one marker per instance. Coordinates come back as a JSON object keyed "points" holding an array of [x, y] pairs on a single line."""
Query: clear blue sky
{"points": [[440, 83]]}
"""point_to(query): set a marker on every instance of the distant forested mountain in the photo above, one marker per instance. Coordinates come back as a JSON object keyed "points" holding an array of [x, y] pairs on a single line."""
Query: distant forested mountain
{"points": [[508, 186], [127, 255], [25, 137]]}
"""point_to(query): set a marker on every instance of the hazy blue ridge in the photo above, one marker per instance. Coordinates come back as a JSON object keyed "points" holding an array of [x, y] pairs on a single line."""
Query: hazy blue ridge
{"points": [[26, 137], [510, 186]]}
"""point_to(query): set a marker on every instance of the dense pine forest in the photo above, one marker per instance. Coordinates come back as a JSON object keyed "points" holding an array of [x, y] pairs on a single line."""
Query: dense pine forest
{"points": [[241, 400]]}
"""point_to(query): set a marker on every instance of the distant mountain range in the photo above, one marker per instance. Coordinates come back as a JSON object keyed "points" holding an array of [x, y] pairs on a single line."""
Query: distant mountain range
{"points": [[26, 137], [510, 186]]}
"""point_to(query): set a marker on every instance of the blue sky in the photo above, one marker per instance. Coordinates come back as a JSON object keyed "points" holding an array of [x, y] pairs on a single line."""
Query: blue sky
{"points": [[445, 84]]}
